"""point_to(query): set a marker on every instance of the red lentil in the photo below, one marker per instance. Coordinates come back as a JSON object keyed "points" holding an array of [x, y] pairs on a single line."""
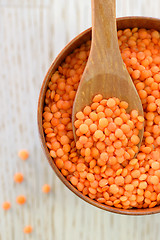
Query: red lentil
{"points": [[18, 177], [27, 229], [24, 154], [6, 205], [21, 199], [46, 188]]}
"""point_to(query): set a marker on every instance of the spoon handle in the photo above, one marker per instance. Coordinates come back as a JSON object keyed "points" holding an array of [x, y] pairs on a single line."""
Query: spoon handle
{"points": [[104, 33]]}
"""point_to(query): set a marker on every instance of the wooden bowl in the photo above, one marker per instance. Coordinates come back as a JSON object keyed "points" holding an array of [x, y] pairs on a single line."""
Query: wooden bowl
{"points": [[122, 23]]}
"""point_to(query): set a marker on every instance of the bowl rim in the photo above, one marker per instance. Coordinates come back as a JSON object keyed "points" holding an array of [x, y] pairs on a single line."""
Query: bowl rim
{"points": [[56, 62]]}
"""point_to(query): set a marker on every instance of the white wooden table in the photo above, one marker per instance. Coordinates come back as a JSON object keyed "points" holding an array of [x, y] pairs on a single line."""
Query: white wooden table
{"points": [[32, 32]]}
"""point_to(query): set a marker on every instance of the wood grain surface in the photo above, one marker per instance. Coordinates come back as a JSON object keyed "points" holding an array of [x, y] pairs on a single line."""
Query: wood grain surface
{"points": [[32, 33]]}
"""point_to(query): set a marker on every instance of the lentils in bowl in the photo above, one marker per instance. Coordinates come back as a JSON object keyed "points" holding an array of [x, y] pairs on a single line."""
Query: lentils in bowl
{"points": [[139, 188]]}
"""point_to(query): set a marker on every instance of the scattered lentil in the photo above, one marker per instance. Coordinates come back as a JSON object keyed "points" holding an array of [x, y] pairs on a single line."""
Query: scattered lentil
{"points": [[23, 154], [6, 205], [46, 188], [27, 229], [21, 199], [18, 177]]}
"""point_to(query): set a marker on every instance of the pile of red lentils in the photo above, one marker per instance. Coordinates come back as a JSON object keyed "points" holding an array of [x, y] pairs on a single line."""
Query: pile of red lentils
{"points": [[107, 135], [102, 164], [23, 154]]}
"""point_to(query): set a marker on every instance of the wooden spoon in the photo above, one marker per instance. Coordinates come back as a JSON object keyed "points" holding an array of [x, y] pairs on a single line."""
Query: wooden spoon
{"points": [[105, 71]]}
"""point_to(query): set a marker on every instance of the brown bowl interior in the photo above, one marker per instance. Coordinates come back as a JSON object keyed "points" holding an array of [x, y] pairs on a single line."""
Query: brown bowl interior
{"points": [[122, 23]]}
